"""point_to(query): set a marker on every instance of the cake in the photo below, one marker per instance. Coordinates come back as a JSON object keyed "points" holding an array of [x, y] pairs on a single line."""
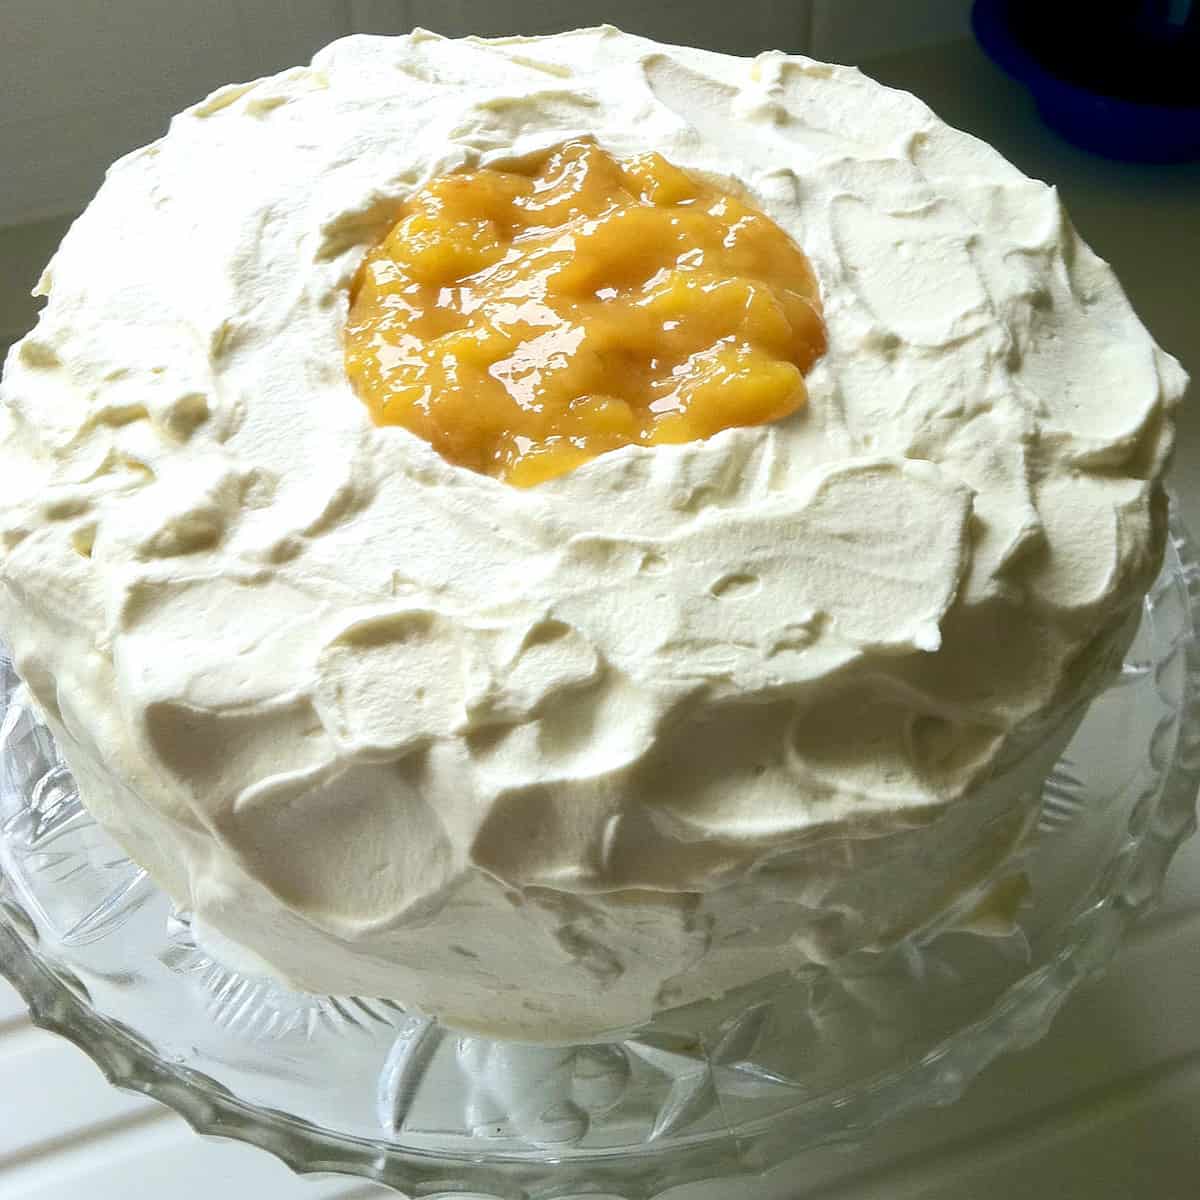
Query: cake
{"points": [[543, 761]]}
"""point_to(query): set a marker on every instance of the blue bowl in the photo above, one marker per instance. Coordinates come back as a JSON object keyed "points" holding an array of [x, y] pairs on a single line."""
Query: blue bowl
{"points": [[1104, 123]]}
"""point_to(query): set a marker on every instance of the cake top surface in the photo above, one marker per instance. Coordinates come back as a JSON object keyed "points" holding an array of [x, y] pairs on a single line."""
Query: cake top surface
{"points": [[241, 593]]}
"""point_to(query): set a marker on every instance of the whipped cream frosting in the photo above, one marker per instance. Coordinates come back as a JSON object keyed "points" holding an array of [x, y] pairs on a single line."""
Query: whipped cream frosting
{"points": [[542, 762]]}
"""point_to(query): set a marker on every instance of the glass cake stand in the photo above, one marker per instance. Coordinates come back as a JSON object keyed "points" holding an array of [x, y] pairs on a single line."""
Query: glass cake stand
{"points": [[354, 1085]]}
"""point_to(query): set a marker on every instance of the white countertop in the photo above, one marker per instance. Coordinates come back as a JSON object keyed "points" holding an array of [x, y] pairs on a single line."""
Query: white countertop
{"points": [[1107, 1107]]}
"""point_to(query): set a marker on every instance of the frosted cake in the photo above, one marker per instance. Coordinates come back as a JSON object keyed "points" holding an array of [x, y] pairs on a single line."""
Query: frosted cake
{"points": [[543, 754]]}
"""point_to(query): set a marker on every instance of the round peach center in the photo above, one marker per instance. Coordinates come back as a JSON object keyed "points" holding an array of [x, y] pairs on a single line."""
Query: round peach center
{"points": [[524, 320]]}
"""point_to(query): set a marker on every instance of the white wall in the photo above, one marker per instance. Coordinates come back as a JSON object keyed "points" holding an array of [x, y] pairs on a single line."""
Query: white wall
{"points": [[850, 31], [82, 81]]}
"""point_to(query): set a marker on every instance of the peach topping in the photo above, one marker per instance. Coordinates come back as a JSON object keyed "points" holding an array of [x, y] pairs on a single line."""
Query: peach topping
{"points": [[528, 318]]}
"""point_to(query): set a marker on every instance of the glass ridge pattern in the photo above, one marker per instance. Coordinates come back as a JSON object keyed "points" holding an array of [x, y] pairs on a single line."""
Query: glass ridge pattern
{"points": [[733, 1085]]}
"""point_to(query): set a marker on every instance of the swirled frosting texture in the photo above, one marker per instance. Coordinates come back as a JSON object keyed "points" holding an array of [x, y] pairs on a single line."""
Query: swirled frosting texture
{"points": [[543, 762]]}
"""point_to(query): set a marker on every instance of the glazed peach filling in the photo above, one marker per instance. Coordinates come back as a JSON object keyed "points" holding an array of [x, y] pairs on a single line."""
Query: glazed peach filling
{"points": [[526, 319]]}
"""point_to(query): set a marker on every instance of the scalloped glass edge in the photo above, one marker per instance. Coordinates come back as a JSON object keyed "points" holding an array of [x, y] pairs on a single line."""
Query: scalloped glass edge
{"points": [[1021, 1016]]}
